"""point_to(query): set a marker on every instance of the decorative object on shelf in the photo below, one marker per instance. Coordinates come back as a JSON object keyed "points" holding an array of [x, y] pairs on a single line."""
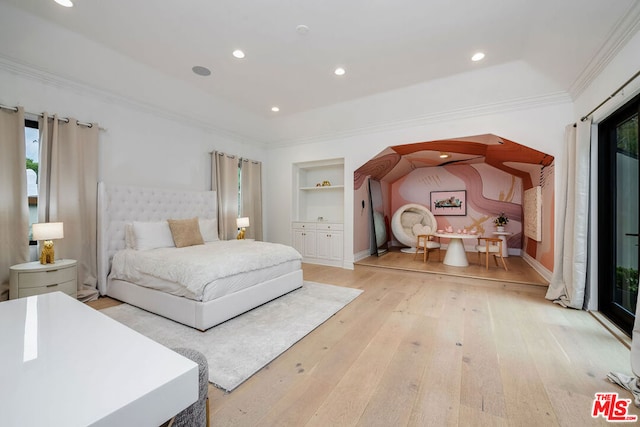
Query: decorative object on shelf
{"points": [[449, 202], [500, 221], [47, 231], [326, 184], [242, 224], [318, 185]]}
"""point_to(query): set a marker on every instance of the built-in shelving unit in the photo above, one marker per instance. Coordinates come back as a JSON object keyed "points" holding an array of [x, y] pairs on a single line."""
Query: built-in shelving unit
{"points": [[313, 201], [318, 211]]}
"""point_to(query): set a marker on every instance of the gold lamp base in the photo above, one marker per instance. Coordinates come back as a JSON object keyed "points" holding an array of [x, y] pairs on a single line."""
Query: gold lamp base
{"points": [[47, 254], [241, 234]]}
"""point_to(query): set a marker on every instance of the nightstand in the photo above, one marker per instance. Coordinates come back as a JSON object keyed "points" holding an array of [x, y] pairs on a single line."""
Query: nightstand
{"points": [[33, 278]]}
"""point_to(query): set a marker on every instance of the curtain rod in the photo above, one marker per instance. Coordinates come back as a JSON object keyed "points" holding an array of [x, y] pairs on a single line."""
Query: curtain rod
{"points": [[586, 116], [232, 156], [62, 119]]}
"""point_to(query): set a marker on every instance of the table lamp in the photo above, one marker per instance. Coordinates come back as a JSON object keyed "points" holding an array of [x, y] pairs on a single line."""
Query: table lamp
{"points": [[47, 231], [242, 223]]}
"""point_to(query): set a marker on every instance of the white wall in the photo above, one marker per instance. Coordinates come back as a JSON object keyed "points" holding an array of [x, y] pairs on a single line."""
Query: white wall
{"points": [[137, 147], [541, 128]]}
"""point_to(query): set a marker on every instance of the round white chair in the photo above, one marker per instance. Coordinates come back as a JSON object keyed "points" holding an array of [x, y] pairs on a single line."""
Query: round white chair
{"points": [[410, 221]]}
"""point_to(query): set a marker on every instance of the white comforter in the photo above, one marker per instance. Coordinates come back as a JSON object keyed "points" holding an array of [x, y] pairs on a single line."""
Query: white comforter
{"points": [[195, 266]]}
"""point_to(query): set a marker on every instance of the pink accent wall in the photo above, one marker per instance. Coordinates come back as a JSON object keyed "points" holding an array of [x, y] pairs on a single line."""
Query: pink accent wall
{"points": [[489, 192]]}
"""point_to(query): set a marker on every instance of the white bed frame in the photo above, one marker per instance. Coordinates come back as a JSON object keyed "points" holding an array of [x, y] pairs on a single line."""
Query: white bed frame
{"points": [[119, 205]]}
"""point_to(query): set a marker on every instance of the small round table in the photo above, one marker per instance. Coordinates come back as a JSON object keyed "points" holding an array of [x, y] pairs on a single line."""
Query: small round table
{"points": [[456, 255], [502, 235]]}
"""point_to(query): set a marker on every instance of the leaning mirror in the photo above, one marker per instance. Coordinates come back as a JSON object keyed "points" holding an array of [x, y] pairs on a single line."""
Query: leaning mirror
{"points": [[378, 239]]}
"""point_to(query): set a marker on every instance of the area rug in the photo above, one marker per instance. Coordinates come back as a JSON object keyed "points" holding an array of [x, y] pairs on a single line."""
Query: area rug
{"points": [[240, 347]]}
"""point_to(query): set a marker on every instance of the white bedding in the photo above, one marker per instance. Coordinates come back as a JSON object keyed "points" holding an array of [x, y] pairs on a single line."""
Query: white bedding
{"points": [[205, 271]]}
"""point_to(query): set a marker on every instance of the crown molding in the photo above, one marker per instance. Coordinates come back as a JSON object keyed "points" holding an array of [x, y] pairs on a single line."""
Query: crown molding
{"points": [[46, 77], [623, 31], [523, 103], [41, 75]]}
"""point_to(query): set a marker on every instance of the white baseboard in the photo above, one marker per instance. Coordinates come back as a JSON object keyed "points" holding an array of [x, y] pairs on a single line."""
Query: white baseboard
{"points": [[361, 255], [542, 270]]}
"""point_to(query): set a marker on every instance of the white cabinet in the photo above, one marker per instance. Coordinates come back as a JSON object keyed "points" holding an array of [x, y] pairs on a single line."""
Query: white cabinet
{"points": [[330, 241], [318, 211], [304, 238], [33, 278], [319, 242]]}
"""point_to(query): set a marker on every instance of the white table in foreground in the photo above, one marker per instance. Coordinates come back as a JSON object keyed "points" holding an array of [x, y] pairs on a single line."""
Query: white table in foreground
{"points": [[66, 364], [456, 256]]}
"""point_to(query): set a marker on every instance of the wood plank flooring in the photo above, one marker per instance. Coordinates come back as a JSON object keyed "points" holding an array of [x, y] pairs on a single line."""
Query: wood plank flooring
{"points": [[420, 349], [519, 270]]}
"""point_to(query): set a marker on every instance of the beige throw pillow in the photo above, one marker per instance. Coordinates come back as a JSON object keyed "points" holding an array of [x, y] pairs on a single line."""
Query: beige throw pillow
{"points": [[185, 232]]}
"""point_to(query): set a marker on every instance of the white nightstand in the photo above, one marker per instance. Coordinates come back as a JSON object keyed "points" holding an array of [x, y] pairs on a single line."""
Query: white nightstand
{"points": [[33, 278]]}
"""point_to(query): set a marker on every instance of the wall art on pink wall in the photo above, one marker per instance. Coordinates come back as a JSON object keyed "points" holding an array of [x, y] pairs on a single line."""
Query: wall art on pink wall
{"points": [[449, 202]]}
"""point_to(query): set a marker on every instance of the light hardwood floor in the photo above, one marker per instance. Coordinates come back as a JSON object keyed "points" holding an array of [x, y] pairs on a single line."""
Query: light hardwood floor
{"points": [[421, 349]]}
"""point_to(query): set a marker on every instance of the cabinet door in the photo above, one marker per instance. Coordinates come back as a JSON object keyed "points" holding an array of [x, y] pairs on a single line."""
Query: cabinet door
{"points": [[330, 245], [336, 246], [309, 243], [324, 244], [298, 241], [304, 241]]}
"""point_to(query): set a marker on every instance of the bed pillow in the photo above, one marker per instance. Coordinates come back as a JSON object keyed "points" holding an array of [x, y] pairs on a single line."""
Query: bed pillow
{"points": [[185, 232], [209, 229], [152, 235]]}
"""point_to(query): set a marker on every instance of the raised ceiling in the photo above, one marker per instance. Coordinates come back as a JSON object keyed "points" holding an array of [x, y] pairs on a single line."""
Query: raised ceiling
{"points": [[145, 51], [383, 45]]}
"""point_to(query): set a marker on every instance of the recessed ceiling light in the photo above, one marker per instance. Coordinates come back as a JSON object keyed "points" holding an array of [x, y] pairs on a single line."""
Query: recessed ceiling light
{"points": [[65, 3], [238, 54], [444, 155], [275, 109], [339, 71], [201, 71], [478, 56]]}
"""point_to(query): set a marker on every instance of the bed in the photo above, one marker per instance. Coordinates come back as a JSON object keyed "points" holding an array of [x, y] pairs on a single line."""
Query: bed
{"points": [[201, 306]]}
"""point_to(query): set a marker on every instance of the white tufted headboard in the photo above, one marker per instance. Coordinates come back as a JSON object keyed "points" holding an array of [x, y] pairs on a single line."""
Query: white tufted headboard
{"points": [[119, 205]]}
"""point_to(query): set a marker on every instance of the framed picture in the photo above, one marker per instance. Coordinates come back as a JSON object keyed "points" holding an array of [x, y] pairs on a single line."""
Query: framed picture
{"points": [[449, 202]]}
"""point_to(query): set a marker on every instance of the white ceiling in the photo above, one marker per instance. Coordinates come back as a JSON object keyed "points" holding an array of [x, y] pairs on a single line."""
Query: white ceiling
{"points": [[384, 45]]}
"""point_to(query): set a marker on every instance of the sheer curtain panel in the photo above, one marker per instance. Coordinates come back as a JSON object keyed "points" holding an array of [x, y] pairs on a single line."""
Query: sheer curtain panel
{"points": [[67, 190], [224, 179], [14, 209], [568, 282], [251, 191]]}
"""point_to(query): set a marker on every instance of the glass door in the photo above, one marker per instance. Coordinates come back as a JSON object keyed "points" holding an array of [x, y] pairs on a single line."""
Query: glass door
{"points": [[618, 213]]}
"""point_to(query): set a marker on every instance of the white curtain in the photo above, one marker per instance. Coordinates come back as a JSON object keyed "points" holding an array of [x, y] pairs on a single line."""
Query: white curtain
{"points": [[568, 282], [224, 178], [67, 193], [251, 191], [14, 209]]}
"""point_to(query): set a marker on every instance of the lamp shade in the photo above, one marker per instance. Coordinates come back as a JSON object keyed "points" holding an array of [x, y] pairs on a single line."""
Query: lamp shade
{"points": [[242, 222], [48, 231]]}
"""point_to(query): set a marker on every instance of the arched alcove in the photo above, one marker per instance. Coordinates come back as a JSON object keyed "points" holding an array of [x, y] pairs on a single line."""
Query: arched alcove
{"points": [[496, 175]]}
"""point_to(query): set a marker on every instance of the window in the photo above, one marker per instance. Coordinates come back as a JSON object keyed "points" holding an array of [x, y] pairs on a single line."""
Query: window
{"points": [[619, 199], [32, 149]]}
